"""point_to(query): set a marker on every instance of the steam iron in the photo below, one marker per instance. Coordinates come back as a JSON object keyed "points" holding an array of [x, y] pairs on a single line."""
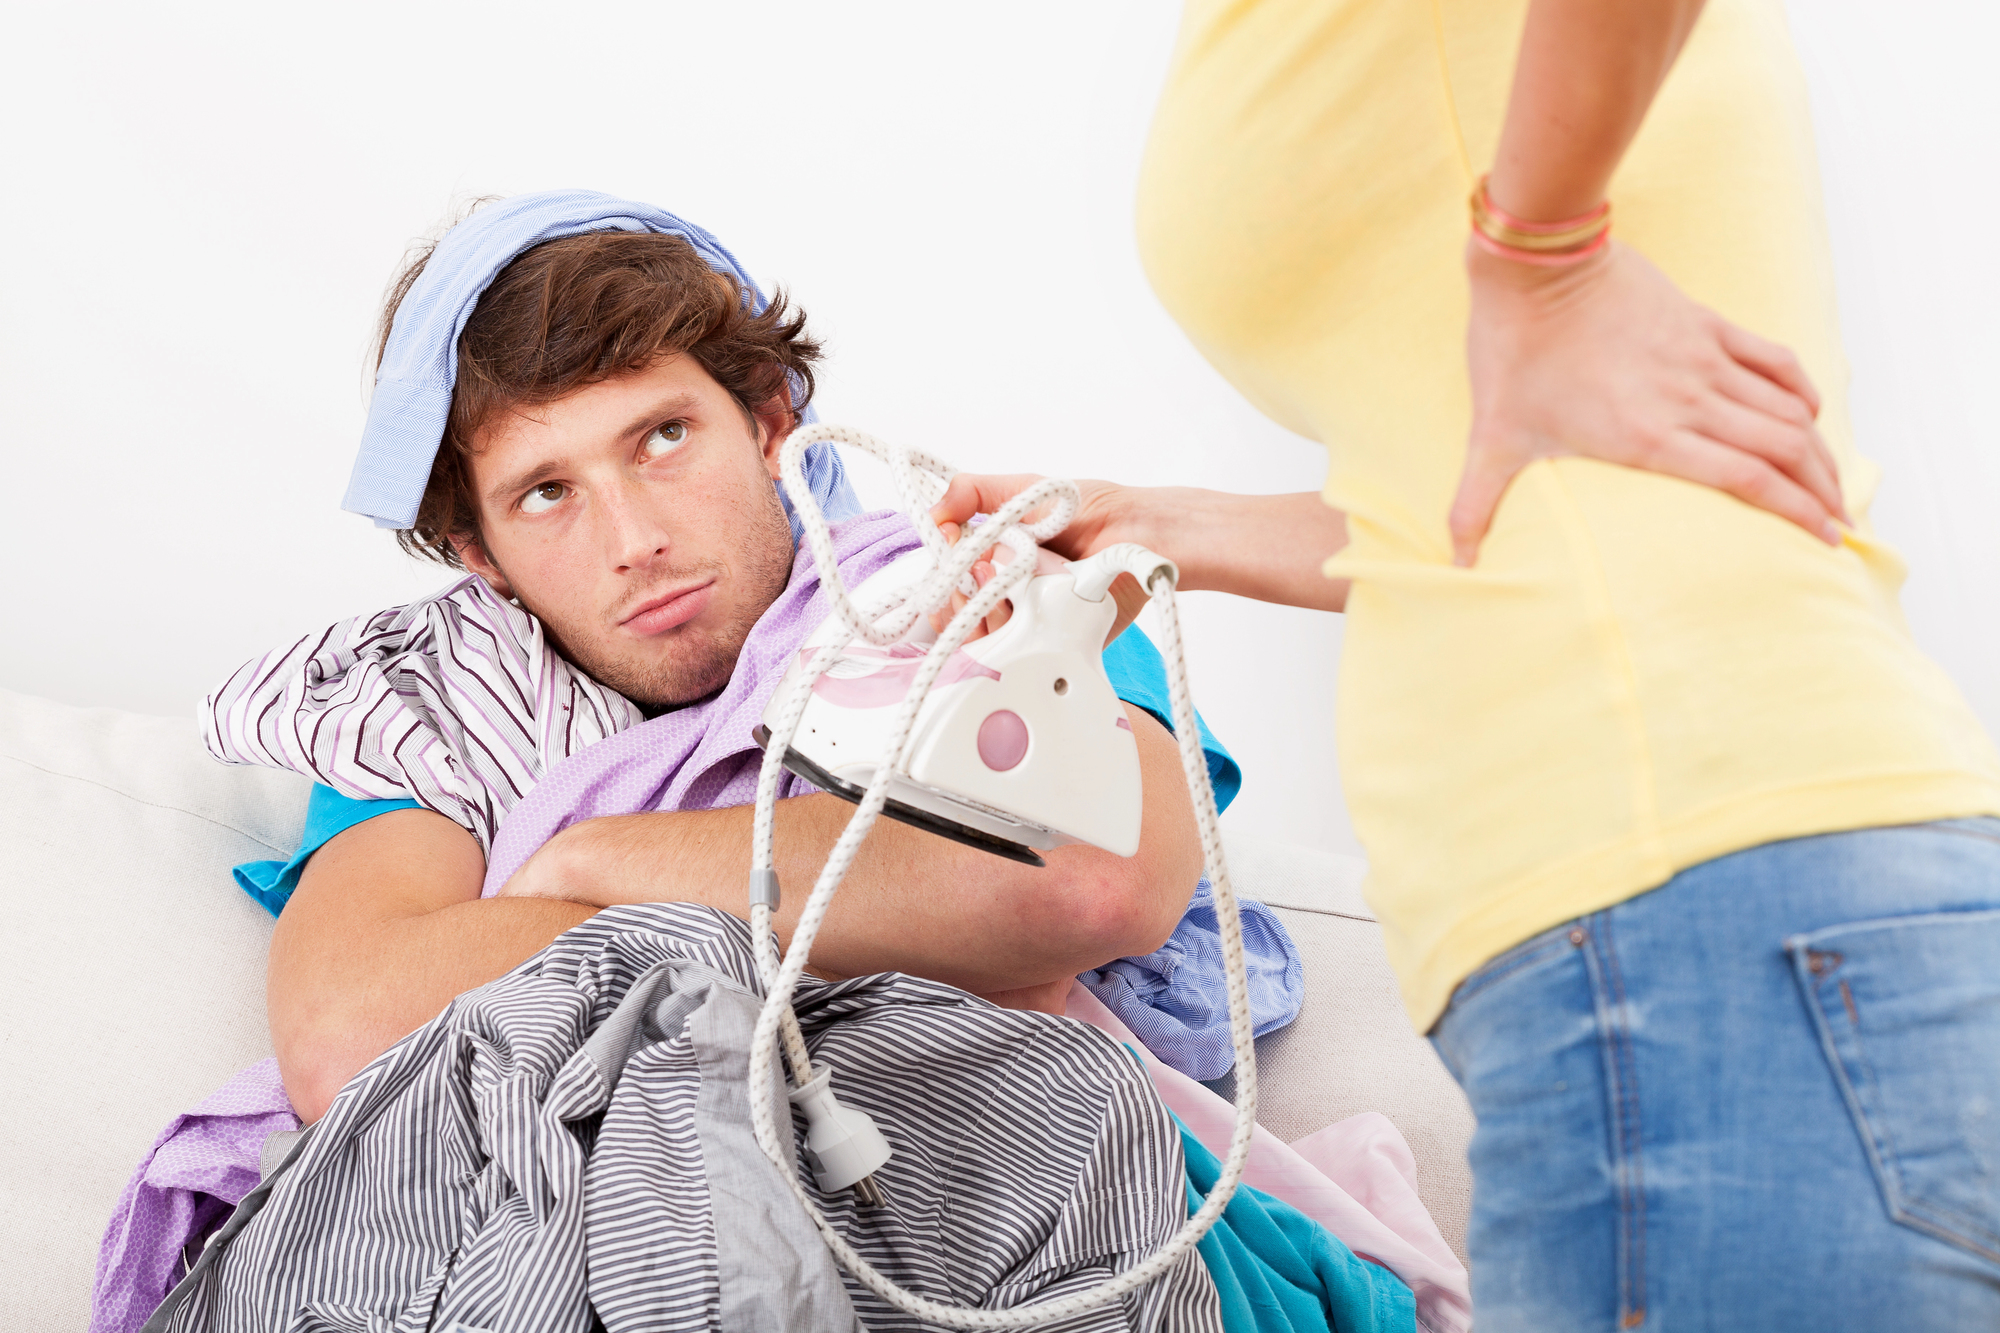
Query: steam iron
{"points": [[1012, 742], [1022, 744]]}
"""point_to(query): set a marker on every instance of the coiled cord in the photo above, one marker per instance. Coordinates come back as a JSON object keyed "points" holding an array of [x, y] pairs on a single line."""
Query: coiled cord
{"points": [[920, 480]]}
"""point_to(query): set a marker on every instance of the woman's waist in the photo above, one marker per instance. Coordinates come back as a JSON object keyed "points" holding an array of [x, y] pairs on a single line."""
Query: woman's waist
{"points": [[1629, 649]]}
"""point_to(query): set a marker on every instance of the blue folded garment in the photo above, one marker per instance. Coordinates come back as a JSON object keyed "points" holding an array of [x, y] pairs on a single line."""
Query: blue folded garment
{"points": [[1278, 1271], [1174, 999], [327, 813]]}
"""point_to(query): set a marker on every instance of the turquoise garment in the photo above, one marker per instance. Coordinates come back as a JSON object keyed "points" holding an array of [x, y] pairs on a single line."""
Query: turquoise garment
{"points": [[1140, 677], [327, 813], [1278, 1271], [1132, 662]]}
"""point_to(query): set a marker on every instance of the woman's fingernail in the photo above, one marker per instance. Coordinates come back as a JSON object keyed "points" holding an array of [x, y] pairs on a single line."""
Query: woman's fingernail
{"points": [[1831, 533]]}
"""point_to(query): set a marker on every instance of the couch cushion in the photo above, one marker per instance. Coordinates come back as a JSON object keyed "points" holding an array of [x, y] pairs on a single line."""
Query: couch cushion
{"points": [[138, 980], [1352, 1048], [136, 967]]}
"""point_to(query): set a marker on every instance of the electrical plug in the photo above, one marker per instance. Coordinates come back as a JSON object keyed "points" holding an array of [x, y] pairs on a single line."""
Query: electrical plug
{"points": [[843, 1147]]}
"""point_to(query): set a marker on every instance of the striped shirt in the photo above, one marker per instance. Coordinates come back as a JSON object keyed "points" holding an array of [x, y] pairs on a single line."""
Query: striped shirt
{"points": [[461, 703], [545, 1154], [457, 701]]}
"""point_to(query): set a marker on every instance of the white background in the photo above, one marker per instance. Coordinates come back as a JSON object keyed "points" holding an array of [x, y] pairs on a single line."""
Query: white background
{"points": [[204, 203]]}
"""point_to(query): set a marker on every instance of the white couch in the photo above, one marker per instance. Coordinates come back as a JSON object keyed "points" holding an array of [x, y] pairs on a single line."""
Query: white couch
{"points": [[135, 982]]}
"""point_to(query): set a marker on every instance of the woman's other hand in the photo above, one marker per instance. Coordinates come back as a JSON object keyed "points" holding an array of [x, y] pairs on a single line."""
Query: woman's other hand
{"points": [[1101, 519], [1097, 524], [1125, 589], [1268, 547], [1608, 359]]}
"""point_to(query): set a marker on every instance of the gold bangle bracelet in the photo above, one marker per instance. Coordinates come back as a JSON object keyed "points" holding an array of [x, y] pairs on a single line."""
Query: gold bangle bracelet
{"points": [[1571, 237]]}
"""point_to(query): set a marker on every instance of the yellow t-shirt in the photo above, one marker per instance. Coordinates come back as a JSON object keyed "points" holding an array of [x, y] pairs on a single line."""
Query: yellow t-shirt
{"points": [[1641, 674]]}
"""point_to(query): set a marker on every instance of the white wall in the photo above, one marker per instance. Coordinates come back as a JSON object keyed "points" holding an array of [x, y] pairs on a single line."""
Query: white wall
{"points": [[1906, 109], [206, 201]]}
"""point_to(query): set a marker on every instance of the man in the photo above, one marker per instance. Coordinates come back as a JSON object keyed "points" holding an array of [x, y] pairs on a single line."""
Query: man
{"points": [[608, 464]]}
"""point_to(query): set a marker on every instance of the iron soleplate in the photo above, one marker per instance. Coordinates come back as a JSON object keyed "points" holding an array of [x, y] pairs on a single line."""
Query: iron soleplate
{"points": [[900, 811]]}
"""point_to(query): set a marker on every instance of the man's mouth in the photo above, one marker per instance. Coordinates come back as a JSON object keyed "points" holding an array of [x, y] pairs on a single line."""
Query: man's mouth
{"points": [[659, 614]]}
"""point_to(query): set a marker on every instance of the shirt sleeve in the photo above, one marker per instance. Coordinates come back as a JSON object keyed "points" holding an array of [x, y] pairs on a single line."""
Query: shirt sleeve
{"points": [[1139, 675], [327, 813]]}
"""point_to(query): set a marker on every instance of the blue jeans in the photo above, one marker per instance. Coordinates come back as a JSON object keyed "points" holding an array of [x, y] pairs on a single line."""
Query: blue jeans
{"points": [[1763, 1096]]}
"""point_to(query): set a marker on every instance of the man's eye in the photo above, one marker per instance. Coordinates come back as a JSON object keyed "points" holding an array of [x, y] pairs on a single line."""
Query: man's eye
{"points": [[543, 497], [665, 439]]}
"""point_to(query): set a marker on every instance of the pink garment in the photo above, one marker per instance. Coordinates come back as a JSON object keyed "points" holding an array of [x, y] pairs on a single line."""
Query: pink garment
{"points": [[1356, 1178], [199, 1169]]}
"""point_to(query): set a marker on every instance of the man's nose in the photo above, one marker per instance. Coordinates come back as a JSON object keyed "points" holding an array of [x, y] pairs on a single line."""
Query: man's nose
{"points": [[635, 537]]}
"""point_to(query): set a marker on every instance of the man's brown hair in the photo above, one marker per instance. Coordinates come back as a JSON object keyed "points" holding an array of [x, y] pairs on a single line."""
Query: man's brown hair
{"points": [[574, 311]]}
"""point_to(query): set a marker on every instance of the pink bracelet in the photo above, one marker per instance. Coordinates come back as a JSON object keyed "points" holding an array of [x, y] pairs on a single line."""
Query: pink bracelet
{"points": [[1545, 244], [1541, 259], [1512, 223]]}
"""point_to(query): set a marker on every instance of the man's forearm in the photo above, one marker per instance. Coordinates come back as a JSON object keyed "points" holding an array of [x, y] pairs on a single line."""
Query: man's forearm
{"points": [[904, 906], [912, 901], [386, 928]]}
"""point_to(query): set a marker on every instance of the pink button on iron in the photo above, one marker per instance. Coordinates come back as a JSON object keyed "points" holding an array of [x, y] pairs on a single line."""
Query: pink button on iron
{"points": [[1003, 740]]}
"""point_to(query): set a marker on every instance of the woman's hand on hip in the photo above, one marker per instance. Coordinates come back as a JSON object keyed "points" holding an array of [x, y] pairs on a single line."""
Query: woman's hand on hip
{"points": [[1608, 359]]}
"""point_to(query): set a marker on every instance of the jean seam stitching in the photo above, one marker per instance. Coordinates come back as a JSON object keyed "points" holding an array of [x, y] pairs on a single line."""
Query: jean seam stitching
{"points": [[1636, 1217], [1871, 1086], [1627, 1168]]}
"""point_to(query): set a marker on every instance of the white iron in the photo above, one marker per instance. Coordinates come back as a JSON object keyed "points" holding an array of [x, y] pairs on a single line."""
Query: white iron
{"points": [[1009, 742], [1021, 743]]}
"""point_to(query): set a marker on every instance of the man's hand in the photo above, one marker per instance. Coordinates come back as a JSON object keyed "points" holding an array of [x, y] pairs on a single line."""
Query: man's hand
{"points": [[1608, 359]]}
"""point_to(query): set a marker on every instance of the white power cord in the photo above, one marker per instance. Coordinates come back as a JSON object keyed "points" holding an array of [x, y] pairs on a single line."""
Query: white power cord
{"points": [[842, 1134]]}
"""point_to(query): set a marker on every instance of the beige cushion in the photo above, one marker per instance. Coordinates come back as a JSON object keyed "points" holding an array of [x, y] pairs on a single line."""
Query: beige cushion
{"points": [[135, 967], [1352, 1048], [136, 981]]}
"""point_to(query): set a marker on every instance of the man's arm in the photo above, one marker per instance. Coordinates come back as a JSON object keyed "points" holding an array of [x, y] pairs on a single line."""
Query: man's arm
{"points": [[912, 902], [386, 927]]}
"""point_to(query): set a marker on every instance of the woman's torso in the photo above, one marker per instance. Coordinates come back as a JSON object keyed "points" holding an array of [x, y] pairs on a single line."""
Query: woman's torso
{"points": [[1641, 674]]}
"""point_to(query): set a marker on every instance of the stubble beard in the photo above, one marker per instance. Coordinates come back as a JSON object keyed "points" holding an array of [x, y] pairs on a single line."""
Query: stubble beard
{"points": [[698, 661]]}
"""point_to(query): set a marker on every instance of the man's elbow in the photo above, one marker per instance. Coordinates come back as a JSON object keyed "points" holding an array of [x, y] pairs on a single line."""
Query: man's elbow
{"points": [[311, 1083], [316, 1063], [1148, 893], [1128, 906]]}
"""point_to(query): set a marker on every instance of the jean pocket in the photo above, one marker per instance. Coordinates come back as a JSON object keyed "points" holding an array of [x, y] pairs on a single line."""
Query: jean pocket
{"points": [[1908, 1013], [1465, 1018]]}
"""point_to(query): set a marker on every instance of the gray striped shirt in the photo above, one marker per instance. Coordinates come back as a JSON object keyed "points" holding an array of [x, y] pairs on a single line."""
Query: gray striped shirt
{"points": [[545, 1156]]}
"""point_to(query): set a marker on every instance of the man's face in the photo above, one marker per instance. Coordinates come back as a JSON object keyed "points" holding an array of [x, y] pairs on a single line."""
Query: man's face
{"points": [[636, 519]]}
